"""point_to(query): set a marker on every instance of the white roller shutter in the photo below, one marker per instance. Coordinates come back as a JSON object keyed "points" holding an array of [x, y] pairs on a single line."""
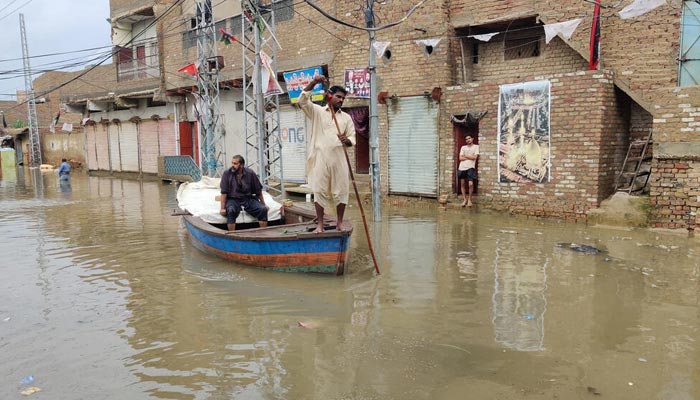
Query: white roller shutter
{"points": [[149, 144], [90, 147], [413, 143], [102, 147], [293, 138], [115, 161], [129, 145]]}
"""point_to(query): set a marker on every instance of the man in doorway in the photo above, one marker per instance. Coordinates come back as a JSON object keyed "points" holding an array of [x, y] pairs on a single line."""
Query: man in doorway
{"points": [[468, 155], [241, 188], [326, 167]]}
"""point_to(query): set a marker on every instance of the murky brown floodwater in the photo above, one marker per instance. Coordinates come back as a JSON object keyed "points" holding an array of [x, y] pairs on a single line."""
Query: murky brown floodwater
{"points": [[103, 297]]}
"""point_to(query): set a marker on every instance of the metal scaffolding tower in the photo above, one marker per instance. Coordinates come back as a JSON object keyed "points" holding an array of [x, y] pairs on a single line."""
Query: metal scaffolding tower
{"points": [[34, 140], [262, 119], [211, 144]]}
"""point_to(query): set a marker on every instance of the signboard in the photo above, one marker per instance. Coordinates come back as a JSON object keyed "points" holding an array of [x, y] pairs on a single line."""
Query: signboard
{"points": [[357, 82], [296, 81]]}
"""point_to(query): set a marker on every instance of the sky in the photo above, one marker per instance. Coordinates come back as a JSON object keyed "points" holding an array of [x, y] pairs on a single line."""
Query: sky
{"points": [[52, 26]]}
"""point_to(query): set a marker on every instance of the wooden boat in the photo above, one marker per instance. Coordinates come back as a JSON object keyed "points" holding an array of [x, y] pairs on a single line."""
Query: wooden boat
{"points": [[289, 245]]}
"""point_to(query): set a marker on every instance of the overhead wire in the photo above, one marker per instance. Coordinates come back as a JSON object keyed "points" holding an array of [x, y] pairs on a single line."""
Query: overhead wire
{"points": [[83, 73], [15, 10]]}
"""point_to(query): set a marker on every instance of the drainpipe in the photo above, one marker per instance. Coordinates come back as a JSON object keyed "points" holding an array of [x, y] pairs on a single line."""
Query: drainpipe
{"points": [[176, 112]]}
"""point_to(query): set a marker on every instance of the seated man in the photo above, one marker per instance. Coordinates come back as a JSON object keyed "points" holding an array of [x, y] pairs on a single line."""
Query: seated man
{"points": [[240, 187]]}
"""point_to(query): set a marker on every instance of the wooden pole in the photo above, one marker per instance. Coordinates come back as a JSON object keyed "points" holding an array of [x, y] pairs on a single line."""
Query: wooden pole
{"points": [[357, 193]]}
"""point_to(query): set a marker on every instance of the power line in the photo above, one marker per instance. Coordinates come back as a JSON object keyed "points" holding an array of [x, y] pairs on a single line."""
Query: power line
{"points": [[16, 9], [155, 20]]}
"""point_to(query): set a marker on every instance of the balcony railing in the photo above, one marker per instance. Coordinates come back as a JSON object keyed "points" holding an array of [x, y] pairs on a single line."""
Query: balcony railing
{"points": [[138, 62]]}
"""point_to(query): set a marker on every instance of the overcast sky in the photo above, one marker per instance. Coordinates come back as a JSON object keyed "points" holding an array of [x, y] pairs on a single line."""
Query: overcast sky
{"points": [[52, 26]]}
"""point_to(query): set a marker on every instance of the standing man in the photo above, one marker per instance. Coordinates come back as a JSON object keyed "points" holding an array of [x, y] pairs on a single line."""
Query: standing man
{"points": [[64, 170], [240, 187], [326, 167], [468, 155]]}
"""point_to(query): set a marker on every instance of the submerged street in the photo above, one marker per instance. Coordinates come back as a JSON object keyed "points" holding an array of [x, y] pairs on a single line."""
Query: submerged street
{"points": [[103, 297]]}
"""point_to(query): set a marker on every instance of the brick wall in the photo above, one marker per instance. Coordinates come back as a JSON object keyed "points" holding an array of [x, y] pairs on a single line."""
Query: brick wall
{"points": [[642, 51], [582, 148], [675, 193], [555, 57], [677, 115], [591, 121]]}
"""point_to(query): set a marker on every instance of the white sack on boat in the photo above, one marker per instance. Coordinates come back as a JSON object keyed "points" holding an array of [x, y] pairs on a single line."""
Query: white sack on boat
{"points": [[199, 199]]}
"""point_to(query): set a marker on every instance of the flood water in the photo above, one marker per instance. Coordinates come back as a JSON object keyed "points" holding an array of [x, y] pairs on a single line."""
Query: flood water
{"points": [[103, 297]]}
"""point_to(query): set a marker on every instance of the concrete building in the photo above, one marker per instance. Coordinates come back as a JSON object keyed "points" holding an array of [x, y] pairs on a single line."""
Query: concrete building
{"points": [[553, 134]]}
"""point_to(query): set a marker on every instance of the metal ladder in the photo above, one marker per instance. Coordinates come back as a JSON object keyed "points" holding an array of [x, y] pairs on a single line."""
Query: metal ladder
{"points": [[637, 156]]}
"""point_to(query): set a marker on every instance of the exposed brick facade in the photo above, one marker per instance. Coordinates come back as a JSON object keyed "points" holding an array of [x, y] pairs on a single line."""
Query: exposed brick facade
{"points": [[594, 114], [675, 194]]}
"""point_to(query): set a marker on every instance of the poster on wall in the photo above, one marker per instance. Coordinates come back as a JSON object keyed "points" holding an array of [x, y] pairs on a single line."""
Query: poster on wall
{"points": [[296, 81], [523, 132], [357, 82]]}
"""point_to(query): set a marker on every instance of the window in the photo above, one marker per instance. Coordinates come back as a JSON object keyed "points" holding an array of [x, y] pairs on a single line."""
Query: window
{"points": [[138, 62], [525, 47], [138, 59], [689, 59]]}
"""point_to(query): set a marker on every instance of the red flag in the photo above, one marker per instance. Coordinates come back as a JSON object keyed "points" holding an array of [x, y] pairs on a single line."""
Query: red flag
{"points": [[190, 69], [595, 38]]}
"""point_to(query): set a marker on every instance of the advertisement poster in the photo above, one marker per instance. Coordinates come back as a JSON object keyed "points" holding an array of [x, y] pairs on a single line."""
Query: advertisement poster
{"points": [[357, 82], [523, 132], [296, 81]]}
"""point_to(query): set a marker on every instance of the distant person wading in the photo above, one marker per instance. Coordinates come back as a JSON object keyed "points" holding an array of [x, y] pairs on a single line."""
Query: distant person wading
{"points": [[64, 170]]}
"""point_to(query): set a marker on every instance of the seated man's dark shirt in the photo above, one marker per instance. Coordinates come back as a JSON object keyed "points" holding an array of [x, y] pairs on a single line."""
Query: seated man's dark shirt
{"points": [[242, 194], [249, 186]]}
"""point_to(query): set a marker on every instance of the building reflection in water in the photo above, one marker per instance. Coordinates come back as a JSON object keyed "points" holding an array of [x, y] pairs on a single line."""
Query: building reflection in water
{"points": [[519, 298]]}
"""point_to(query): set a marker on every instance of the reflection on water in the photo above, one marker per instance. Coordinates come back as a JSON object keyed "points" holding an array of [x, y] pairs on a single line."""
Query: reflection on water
{"points": [[519, 298], [103, 296]]}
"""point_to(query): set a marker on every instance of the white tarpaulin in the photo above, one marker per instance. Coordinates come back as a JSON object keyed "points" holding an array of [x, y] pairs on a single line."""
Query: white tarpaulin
{"points": [[199, 199], [639, 7], [566, 29]]}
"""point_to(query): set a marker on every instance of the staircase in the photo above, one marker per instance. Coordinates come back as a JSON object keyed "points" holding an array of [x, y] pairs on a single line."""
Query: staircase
{"points": [[637, 165]]}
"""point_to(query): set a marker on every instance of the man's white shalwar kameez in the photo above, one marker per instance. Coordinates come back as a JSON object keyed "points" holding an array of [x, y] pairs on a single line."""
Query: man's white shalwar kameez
{"points": [[326, 168]]}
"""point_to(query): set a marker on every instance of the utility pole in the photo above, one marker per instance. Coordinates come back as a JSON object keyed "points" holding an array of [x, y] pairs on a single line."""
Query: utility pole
{"points": [[373, 118], [34, 139], [371, 29], [210, 134], [261, 111]]}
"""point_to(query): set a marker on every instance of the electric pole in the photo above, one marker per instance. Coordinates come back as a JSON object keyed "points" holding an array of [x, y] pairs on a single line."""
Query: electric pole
{"points": [[371, 29], [210, 134], [261, 109], [34, 139], [373, 119]]}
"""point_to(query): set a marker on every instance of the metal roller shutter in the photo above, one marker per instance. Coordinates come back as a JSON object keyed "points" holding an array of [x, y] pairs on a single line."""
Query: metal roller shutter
{"points": [[293, 138], [150, 146], [129, 145], [91, 147], [413, 143], [115, 162], [102, 147]]}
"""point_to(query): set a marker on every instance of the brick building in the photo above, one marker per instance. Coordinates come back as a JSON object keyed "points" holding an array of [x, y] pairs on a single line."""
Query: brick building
{"points": [[553, 135]]}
